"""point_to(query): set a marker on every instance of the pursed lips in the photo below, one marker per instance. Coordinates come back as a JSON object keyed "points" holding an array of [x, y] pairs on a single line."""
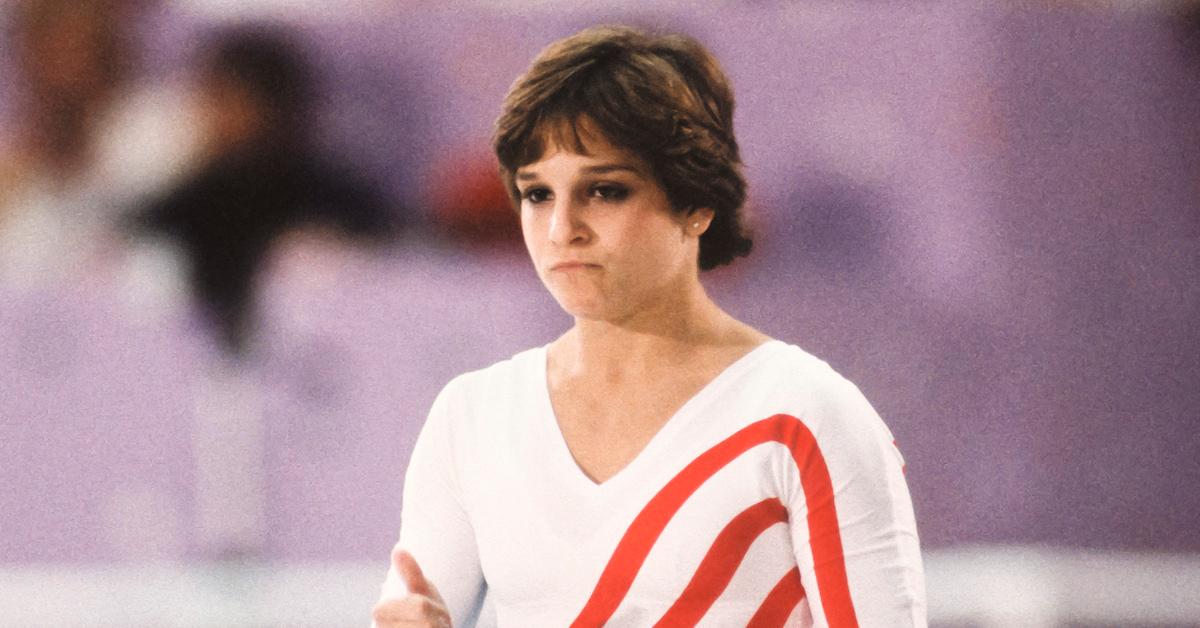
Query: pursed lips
{"points": [[567, 265]]}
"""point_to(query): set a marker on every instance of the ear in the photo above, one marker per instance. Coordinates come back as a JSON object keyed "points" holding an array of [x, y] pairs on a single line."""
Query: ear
{"points": [[698, 221]]}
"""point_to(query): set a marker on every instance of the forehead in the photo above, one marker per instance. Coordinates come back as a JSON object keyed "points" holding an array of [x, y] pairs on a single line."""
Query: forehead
{"points": [[580, 138]]}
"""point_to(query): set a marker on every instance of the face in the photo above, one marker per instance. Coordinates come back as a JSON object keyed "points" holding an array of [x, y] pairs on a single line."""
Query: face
{"points": [[602, 235]]}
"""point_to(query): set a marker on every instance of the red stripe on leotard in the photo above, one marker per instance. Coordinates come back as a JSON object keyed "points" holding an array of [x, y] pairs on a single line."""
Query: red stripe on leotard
{"points": [[780, 602], [824, 536], [721, 561]]}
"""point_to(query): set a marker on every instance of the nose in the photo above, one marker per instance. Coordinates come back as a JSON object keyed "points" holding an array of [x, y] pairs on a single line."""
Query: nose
{"points": [[566, 223]]}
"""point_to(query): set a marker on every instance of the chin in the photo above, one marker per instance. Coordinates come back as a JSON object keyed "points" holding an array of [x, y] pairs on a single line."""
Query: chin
{"points": [[576, 304]]}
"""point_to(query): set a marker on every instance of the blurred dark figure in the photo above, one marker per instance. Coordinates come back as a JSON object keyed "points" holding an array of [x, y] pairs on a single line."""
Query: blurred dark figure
{"points": [[261, 178]]}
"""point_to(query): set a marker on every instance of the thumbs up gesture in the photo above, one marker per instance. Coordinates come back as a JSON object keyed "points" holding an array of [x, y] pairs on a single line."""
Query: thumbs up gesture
{"points": [[421, 607]]}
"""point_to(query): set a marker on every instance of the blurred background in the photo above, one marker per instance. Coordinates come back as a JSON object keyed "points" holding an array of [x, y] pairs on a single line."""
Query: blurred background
{"points": [[244, 244]]}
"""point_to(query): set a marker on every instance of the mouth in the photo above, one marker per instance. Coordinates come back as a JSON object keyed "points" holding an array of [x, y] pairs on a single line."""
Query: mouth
{"points": [[573, 265]]}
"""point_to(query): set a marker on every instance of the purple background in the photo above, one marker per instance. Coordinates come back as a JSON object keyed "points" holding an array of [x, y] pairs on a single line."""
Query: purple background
{"points": [[988, 219]]}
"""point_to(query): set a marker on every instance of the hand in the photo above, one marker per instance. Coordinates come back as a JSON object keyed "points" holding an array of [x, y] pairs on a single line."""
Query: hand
{"points": [[422, 607]]}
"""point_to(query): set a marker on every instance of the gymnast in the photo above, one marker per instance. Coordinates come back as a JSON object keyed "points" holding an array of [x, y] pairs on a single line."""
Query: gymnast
{"points": [[659, 463]]}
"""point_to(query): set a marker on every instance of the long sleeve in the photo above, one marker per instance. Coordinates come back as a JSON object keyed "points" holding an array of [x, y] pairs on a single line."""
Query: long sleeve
{"points": [[852, 522], [434, 526]]}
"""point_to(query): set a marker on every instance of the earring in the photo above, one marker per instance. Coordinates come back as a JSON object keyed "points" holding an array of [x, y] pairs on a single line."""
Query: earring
{"points": [[695, 225]]}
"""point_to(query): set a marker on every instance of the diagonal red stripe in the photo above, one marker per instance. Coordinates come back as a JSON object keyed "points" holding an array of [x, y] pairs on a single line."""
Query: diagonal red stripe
{"points": [[825, 539], [721, 561], [780, 602]]}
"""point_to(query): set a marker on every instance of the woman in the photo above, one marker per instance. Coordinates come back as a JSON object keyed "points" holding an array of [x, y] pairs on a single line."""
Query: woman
{"points": [[660, 462]]}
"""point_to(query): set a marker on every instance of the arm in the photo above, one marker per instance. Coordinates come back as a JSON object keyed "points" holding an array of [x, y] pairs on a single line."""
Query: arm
{"points": [[435, 528], [858, 553]]}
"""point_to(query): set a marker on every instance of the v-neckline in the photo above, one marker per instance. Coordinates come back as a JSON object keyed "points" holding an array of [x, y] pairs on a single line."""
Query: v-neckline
{"points": [[564, 461]]}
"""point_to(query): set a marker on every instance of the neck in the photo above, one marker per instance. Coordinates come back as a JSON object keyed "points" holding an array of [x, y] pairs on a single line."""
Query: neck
{"points": [[661, 335]]}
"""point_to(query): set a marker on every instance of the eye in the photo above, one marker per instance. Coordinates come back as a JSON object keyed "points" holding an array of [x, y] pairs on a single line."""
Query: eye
{"points": [[609, 191], [535, 194]]}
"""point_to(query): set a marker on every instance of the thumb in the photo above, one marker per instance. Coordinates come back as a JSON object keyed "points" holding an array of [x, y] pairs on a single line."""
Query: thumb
{"points": [[410, 572]]}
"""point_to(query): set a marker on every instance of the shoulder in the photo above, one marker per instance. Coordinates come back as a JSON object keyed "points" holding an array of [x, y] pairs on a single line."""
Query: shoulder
{"points": [[793, 369], [498, 379], [474, 396], [475, 416], [845, 428], [816, 392]]}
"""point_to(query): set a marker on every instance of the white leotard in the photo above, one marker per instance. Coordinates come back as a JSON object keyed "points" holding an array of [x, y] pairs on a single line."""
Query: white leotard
{"points": [[775, 496]]}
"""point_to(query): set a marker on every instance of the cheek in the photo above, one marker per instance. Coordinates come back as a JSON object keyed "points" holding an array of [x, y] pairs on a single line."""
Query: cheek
{"points": [[529, 233], [651, 260], [658, 242]]}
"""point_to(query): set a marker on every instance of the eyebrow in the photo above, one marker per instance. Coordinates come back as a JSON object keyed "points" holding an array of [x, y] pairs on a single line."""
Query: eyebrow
{"points": [[597, 169]]}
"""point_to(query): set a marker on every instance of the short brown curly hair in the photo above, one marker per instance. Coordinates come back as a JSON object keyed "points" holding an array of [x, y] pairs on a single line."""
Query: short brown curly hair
{"points": [[664, 98]]}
